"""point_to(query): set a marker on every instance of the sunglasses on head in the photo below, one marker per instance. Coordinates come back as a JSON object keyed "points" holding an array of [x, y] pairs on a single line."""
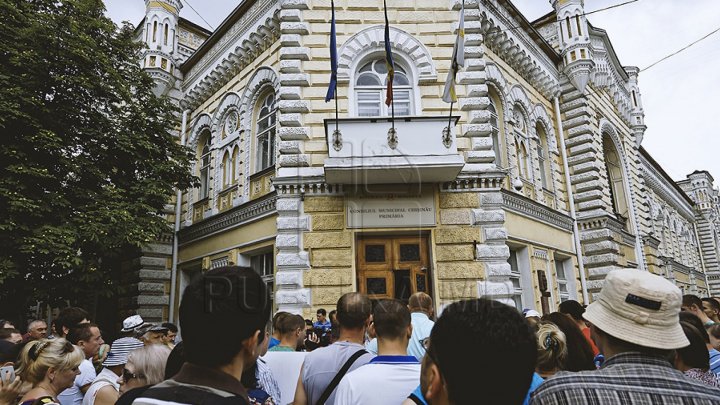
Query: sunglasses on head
{"points": [[127, 375]]}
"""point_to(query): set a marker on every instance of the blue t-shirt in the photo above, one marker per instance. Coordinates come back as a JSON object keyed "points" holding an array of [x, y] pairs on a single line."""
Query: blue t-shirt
{"points": [[273, 342], [417, 396], [715, 361], [323, 325], [534, 384]]}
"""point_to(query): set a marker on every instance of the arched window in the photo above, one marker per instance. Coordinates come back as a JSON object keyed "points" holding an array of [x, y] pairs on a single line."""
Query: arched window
{"points": [[227, 169], [165, 34], [613, 166], [569, 28], [265, 132], [155, 31], [204, 159], [371, 86], [494, 120], [522, 157], [520, 148], [234, 163], [543, 158]]}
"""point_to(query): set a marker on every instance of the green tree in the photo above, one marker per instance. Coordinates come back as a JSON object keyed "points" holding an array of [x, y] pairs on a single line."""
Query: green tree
{"points": [[88, 157]]}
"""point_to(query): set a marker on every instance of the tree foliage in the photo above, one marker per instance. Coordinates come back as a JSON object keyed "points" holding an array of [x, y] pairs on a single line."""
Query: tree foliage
{"points": [[87, 160]]}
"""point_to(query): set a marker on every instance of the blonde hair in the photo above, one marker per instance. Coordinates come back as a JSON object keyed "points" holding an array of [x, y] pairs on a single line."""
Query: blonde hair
{"points": [[551, 347], [150, 362], [39, 356]]}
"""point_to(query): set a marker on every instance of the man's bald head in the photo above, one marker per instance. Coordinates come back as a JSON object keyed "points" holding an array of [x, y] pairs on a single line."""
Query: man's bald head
{"points": [[420, 302], [353, 310]]}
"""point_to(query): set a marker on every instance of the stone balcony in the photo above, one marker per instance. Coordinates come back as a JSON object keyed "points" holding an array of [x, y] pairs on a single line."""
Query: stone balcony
{"points": [[365, 152]]}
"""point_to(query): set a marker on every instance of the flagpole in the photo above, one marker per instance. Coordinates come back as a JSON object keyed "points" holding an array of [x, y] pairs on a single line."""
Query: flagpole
{"points": [[450, 117], [336, 110]]}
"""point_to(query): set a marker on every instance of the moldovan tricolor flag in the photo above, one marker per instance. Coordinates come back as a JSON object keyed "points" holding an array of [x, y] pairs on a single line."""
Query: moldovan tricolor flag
{"points": [[388, 60], [333, 58], [458, 60]]}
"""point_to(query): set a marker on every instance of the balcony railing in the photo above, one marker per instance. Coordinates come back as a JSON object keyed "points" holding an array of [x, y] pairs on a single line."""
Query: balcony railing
{"points": [[367, 151]]}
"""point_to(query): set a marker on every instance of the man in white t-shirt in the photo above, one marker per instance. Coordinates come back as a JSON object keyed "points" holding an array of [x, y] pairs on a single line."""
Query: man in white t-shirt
{"points": [[392, 375], [89, 339]]}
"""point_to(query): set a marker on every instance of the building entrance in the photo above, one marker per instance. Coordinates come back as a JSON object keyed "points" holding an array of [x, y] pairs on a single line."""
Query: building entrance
{"points": [[394, 267]]}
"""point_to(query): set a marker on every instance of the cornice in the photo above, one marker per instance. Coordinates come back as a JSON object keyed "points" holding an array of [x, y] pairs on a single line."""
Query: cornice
{"points": [[534, 210], [241, 215], [666, 191]]}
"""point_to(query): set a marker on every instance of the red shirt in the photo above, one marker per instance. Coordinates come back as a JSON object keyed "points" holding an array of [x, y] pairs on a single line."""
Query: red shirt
{"points": [[586, 332]]}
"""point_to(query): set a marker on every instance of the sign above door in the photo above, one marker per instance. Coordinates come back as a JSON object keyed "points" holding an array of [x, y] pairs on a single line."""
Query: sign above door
{"points": [[391, 210]]}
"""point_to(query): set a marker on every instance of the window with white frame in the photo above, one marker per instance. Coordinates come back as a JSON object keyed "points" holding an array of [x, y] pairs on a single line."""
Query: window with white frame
{"points": [[516, 280], [205, 166], [266, 120], [562, 281], [371, 88], [264, 265], [543, 155], [495, 131]]}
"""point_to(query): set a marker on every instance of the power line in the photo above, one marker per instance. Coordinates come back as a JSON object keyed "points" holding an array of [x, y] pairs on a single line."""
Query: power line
{"points": [[681, 49], [201, 17], [583, 14]]}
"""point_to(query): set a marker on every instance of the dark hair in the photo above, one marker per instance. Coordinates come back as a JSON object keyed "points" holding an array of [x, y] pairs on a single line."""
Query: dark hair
{"points": [[391, 319], [175, 361], [696, 354], [713, 303], [69, 318], [233, 299], [572, 308], [170, 326], [353, 310], [82, 332], [693, 320], [689, 299], [7, 332], [290, 323], [580, 354], [333, 312], [277, 320], [9, 352], [322, 312], [502, 354], [308, 323]]}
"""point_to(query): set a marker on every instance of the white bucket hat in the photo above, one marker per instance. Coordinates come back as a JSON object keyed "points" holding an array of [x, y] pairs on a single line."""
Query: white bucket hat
{"points": [[641, 308], [131, 323]]}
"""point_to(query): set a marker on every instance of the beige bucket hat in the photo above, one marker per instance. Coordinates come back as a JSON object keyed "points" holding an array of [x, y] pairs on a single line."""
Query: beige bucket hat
{"points": [[641, 308]]}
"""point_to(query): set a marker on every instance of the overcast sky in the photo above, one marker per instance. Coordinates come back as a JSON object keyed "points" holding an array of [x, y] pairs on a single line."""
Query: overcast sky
{"points": [[680, 95]]}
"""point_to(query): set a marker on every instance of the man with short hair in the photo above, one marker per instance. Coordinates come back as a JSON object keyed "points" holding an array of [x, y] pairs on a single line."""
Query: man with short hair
{"points": [[694, 305], [389, 377], [276, 334], [635, 323], [323, 327], [421, 312], [500, 353], [89, 339], [170, 335], [323, 364], [37, 330], [292, 333], [231, 299], [711, 309], [68, 318]]}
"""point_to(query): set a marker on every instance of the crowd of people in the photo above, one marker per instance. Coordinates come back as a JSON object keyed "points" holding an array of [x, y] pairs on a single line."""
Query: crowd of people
{"points": [[639, 342]]}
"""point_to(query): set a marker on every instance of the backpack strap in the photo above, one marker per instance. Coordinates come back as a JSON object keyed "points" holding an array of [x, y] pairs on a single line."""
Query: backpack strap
{"points": [[335, 381]]}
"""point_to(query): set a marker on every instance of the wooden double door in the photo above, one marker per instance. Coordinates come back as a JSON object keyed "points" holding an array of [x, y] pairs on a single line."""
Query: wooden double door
{"points": [[394, 267]]}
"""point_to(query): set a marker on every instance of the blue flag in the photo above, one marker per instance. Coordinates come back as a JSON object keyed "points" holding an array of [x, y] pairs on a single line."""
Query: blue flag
{"points": [[332, 88], [388, 60]]}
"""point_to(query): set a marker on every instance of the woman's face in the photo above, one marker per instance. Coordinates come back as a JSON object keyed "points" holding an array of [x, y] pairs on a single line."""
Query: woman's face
{"points": [[64, 379], [130, 378]]}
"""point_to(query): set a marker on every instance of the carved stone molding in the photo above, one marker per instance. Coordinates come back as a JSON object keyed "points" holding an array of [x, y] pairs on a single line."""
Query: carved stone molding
{"points": [[243, 214], [529, 208]]}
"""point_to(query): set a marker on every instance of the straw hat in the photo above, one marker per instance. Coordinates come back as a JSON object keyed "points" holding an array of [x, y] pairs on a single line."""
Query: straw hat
{"points": [[641, 308]]}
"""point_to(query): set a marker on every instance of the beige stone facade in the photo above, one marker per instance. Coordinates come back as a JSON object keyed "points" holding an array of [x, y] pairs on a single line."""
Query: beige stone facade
{"points": [[539, 189]]}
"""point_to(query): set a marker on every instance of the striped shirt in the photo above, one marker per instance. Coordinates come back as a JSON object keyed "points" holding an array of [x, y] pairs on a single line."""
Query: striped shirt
{"points": [[715, 361], [626, 378]]}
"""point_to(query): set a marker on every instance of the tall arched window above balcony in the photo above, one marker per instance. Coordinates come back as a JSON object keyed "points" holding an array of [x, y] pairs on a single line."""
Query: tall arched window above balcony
{"points": [[614, 170], [371, 87], [155, 31], [520, 129], [543, 157], [165, 33], [265, 119], [204, 160], [495, 127], [227, 169]]}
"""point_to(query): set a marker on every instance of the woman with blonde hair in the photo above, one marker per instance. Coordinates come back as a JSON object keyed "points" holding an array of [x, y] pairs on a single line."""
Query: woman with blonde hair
{"points": [[552, 349], [144, 368], [50, 366]]}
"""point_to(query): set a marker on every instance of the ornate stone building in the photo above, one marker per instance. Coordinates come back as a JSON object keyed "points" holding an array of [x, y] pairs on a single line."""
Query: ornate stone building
{"points": [[540, 188]]}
